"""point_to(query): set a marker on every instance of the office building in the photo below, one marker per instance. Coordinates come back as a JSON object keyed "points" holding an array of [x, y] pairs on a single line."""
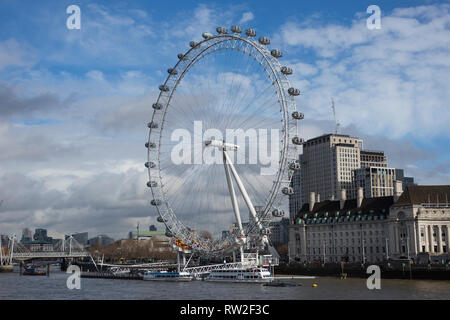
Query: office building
{"points": [[40, 235], [27, 235], [376, 181], [327, 165], [101, 240], [406, 181], [372, 159]]}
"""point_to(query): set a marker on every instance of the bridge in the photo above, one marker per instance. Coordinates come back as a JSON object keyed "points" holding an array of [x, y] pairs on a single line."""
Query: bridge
{"points": [[48, 254], [69, 248]]}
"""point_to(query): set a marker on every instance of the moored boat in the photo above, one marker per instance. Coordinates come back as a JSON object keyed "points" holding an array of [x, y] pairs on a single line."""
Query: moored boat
{"points": [[33, 272], [6, 268], [250, 275], [167, 276]]}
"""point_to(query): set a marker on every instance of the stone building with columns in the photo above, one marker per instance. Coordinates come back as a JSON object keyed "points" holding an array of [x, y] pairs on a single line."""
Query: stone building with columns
{"points": [[370, 230], [419, 223]]}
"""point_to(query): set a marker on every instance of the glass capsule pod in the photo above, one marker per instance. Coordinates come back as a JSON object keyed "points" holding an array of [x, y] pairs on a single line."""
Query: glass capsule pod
{"points": [[294, 166], [157, 106], [221, 30], [160, 219], [207, 35], [172, 71], [152, 184], [297, 141], [193, 44], [293, 91], [236, 29], [155, 202], [164, 88], [287, 190], [276, 53], [264, 41], [150, 145], [169, 234], [152, 125], [150, 165], [278, 213], [297, 115], [286, 70], [182, 57], [250, 32]]}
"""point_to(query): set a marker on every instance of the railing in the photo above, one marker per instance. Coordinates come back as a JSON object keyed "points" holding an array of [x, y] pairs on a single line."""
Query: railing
{"points": [[197, 271], [49, 254]]}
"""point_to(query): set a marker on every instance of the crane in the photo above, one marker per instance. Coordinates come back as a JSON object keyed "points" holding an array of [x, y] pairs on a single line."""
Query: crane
{"points": [[336, 123]]}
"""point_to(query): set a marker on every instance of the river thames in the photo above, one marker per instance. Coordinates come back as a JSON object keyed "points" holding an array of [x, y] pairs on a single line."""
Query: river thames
{"points": [[14, 286]]}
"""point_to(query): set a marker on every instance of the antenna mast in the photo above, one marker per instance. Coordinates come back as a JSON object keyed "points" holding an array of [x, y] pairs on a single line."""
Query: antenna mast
{"points": [[336, 124]]}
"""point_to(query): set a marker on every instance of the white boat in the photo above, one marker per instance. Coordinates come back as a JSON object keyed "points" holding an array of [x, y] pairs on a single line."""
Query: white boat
{"points": [[250, 275], [167, 276]]}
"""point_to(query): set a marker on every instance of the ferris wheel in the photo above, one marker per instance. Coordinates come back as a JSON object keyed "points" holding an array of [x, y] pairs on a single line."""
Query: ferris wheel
{"points": [[223, 141]]}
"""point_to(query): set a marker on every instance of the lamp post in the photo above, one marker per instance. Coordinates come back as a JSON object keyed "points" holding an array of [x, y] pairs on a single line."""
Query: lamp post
{"points": [[387, 249]]}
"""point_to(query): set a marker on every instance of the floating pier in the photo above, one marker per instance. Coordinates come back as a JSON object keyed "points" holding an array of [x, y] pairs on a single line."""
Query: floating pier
{"points": [[108, 275]]}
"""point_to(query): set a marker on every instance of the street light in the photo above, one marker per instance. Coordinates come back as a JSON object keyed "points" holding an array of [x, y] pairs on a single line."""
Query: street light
{"points": [[387, 248]]}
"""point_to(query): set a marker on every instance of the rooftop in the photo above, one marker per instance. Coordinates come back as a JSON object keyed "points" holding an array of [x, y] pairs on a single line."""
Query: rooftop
{"points": [[424, 195], [329, 211]]}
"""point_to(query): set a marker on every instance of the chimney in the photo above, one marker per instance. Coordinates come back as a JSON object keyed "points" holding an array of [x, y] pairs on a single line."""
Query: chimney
{"points": [[398, 190], [312, 197], [343, 198], [318, 198], [359, 196]]}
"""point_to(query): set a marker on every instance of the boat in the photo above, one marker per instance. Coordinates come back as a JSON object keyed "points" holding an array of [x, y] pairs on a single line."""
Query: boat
{"points": [[250, 275], [167, 276], [278, 283], [33, 272], [6, 268]]}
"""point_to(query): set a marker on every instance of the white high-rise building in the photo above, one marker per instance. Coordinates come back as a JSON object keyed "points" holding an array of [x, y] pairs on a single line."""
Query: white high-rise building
{"points": [[327, 166]]}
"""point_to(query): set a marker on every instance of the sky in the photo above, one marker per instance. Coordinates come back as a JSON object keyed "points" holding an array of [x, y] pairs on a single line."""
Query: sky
{"points": [[74, 103]]}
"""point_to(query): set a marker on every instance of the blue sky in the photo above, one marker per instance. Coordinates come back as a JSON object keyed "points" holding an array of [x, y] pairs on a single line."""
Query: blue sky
{"points": [[74, 103]]}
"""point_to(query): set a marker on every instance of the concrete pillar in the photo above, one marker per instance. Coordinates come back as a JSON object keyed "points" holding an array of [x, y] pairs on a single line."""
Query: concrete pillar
{"points": [[447, 240], [312, 199], [359, 197], [430, 239], [343, 198], [417, 237], [439, 239], [318, 198]]}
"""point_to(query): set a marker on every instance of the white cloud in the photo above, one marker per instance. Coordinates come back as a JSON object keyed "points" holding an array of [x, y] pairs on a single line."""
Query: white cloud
{"points": [[389, 81], [246, 17]]}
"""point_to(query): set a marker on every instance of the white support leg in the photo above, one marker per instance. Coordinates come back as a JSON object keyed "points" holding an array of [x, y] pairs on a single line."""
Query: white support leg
{"points": [[232, 194], [247, 200]]}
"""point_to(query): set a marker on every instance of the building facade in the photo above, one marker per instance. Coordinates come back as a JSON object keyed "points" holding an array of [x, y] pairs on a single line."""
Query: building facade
{"points": [[332, 162], [376, 181], [332, 231], [405, 225], [372, 159], [420, 223]]}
